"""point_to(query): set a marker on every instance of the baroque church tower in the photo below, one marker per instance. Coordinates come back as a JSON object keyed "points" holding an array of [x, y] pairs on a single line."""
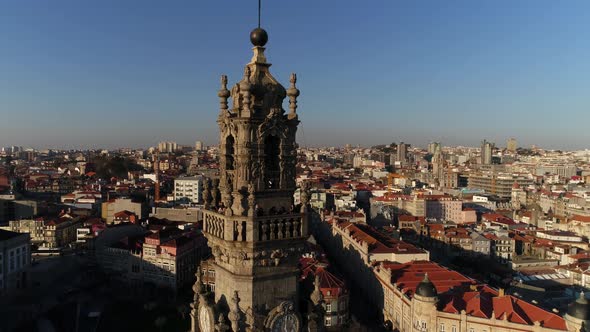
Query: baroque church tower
{"points": [[255, 231]]}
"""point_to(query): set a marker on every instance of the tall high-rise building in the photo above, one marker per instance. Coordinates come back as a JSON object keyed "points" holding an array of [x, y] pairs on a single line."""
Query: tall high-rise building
{"points": [[402, 152], [511, 144], [167, 147], [199, 146], [486, 152], [437, 162], [252, 226], [432, 147]]}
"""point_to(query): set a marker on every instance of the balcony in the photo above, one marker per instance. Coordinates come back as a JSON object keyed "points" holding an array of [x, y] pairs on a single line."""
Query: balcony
{"points": [[253, 229]]}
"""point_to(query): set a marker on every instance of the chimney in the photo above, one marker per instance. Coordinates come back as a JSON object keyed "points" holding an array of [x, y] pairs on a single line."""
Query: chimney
{"points": [[501, 292]]}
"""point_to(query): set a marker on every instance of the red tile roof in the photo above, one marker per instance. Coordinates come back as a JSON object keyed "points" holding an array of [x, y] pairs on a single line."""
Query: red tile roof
{"points": [[581, 218], [124, 214], [311, 266], [410, 218], [457, 293], [378, 243], [407, 276]]}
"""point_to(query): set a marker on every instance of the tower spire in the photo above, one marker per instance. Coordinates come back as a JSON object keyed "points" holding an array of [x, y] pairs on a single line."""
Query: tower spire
{"points": [[259, 9], [253, 226]]}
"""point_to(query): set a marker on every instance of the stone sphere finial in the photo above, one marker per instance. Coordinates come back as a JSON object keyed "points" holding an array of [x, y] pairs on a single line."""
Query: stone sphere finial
{"points": [[258, 37]]}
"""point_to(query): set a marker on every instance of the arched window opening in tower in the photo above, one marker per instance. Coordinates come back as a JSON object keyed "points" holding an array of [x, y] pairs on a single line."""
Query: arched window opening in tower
{"points": [[229, 152], [271, 161]]}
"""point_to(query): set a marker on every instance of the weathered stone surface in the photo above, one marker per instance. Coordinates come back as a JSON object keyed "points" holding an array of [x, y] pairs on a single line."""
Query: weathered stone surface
{"points": [[255, 231]]}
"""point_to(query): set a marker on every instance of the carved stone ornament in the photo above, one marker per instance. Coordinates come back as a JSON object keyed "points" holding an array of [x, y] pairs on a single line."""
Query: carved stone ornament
{"points": [[274, 125], [221, 325], [198, 287], [256, 170], [216, 251], [206, 318], [235, 313], [283, 318]]}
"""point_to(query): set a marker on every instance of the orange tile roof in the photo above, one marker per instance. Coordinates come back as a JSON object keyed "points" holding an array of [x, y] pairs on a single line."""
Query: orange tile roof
{"points": [[407, 276], [378, 243], [578, 217], [328, 281]]}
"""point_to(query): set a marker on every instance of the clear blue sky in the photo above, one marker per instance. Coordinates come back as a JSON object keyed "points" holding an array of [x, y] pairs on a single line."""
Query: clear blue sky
{"points": [[128, 73]]}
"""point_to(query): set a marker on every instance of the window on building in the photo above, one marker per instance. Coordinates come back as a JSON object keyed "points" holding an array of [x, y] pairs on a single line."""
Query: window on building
{"points": [[328, 321], [328, 307], [471, 329], [442, 327], [453, 328]]}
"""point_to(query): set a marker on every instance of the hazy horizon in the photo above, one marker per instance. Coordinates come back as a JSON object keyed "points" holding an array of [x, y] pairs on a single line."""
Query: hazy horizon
{"points": [[116, 74]]}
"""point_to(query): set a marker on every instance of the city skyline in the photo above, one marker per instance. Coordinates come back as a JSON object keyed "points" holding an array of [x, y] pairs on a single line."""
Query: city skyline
{"points": [[117, 75]]}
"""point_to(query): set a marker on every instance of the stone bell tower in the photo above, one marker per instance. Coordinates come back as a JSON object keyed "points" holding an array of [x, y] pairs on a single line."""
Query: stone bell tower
{"points": [[253, 228]]}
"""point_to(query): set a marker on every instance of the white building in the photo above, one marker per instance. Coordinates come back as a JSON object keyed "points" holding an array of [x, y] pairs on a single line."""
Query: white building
{"points": [[199, 146], [188, 188], [560, 236], [168, 147]]}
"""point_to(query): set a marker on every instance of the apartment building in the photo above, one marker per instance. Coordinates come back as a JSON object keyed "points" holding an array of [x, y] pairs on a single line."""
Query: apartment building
{"points": [[189, 189], [497, 183], [167, 258], [48, 231], [15, 259]]}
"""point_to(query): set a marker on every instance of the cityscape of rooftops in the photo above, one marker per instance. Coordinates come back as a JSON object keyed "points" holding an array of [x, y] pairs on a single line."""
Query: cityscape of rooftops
{"points": [[402, 166]]}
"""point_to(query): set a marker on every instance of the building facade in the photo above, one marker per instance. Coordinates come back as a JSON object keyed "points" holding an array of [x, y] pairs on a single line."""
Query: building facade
{"points": [[113, 206], [496, 183], [423, 296], [166, 258], [168, 147], [15, 259], [486, 152], [48, 232], [511, 145], [443, 208], [316, 278], [188, 189]]}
